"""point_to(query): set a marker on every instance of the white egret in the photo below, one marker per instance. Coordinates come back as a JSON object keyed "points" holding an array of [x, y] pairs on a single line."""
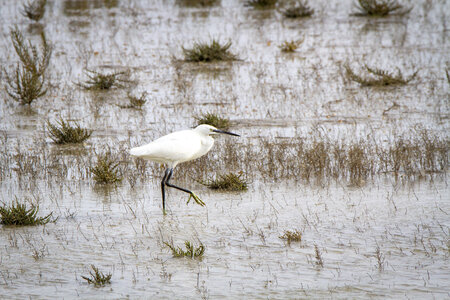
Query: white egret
{"points": [[178, 147]]}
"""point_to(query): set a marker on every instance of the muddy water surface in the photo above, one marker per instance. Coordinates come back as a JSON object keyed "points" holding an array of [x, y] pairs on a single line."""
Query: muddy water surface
{"points": [[266, 95]]}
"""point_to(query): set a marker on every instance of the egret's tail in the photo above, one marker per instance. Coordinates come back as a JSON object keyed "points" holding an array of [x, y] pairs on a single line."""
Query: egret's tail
{"points": [[135, 151]]}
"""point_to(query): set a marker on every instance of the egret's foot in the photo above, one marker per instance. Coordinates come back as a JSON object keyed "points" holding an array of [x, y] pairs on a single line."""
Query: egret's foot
{"points": [[196, 199]]}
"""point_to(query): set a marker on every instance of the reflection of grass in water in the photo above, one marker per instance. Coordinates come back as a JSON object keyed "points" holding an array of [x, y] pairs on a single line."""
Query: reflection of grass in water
{"points": [[97, 278], [262, 4], [63, 133], [382, 77], [34, 10], [380, 8], [228, 182], [204, 52], [292, 236], [194, 3], [298, 9], [191, 251], [19, 215], [213, 120]]}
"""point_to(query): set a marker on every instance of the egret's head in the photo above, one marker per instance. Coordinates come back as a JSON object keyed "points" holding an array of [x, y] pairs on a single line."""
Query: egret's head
{"points": [[210, 130]]}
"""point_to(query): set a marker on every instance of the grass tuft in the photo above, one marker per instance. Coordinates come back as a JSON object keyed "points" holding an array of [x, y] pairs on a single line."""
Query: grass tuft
{"points": [[213, 120], [380, 8], [228, 182], [298, 9], [379, 77], [63, 133], [104, 81], [191, 251], [97, 278], [292, 236], [105, 171], [34, 10], [290, 46], [135, 102], [28, 82], [204, 52], [262, 4], [19, 215]]}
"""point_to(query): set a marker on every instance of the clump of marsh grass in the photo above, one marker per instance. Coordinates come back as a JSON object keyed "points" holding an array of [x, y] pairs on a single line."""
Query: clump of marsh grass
{"points": [[135, 101], [290, 46], [191, 251], [34, 10], [228, 182], [380, 77], [104, 81], [105, 171], [64, 133], [97, 278], [19, 215], [204, 52], [292, 236], [262, 4], [297, 9], [28, 82], [213, 120], [380, 8]]}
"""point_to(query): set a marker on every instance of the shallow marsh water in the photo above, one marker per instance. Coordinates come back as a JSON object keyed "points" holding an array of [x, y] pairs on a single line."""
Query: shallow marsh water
{"points": [[266, 95]]}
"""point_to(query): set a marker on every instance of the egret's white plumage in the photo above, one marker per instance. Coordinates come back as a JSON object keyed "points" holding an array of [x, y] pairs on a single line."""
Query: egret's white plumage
{"points": [[178, 147]]}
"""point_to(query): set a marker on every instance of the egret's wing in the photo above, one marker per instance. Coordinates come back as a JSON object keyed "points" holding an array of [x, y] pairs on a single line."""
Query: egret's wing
{"points": [[175, 147]]}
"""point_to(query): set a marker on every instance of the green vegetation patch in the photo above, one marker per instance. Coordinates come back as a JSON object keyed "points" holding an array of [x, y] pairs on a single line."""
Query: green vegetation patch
{"points": [[28, 81], [379, 77], [380, 8], [191, 251], [228, 182], [64, 133], [204, 52], [19, 215], [213, 120], [97, 278], [292, 236], [105, 81], [297, 9], [105, 171]]}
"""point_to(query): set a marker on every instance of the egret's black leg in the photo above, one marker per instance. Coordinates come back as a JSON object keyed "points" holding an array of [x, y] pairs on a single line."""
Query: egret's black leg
{"points": [[163, 185], [174, 186], [192, 195]]}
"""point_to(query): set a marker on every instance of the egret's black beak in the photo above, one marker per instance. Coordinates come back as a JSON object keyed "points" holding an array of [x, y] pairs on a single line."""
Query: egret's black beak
{"points": [[226, 132]]}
